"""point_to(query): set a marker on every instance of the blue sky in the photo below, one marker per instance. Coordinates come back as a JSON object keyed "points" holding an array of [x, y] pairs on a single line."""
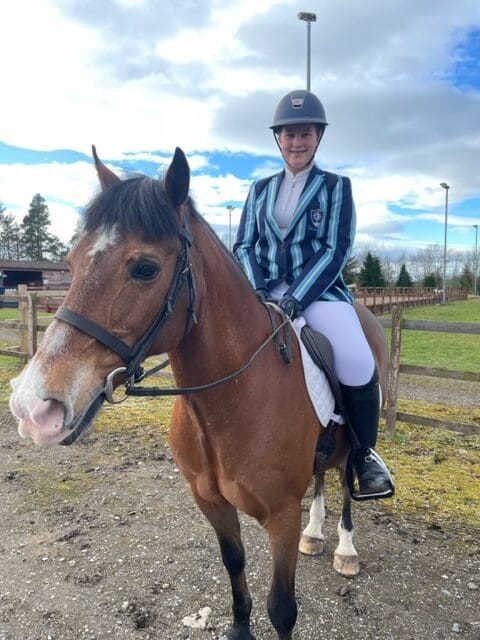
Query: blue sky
{"points": [[400, 82]]}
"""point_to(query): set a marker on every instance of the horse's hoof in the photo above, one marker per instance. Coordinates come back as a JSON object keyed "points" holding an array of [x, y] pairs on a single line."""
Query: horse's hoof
{"points": [[347, 566], [311, 546], [238, 633]]}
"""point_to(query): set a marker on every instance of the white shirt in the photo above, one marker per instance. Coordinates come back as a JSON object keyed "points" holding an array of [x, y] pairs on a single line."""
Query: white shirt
{"points": [[288, 195]]}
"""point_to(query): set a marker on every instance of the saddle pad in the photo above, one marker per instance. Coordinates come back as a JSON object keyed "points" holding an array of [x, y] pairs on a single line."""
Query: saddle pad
{"points": [[316, 382]]}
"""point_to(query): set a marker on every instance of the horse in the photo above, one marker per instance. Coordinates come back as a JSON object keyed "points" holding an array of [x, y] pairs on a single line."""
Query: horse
{"points": [[243, 429]]}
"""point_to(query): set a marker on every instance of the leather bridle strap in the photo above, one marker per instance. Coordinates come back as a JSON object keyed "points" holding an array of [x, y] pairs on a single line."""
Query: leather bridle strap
{"points": [[93, 329], [133, 356]]}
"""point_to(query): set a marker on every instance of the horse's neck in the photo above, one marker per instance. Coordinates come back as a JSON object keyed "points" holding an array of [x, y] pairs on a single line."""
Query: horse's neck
{"points": [[231, 323]]}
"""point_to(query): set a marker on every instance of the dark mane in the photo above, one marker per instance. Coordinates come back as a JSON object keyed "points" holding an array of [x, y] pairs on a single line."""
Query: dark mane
{"points": [[138, 204]]}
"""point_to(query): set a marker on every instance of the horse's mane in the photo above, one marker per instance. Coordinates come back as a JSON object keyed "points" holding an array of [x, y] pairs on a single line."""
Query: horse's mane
{"points": [[138, 204]]}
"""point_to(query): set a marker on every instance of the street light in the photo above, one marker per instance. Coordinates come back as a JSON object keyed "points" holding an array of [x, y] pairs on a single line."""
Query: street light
{"points": [[445, 186], [308, 18], [475, 226], [230, 208]]}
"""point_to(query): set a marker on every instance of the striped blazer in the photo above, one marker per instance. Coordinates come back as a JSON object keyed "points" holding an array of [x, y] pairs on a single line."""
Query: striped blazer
{"points": [[318, 241]]}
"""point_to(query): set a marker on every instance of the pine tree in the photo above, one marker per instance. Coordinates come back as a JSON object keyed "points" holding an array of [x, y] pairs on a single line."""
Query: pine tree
{"points": [[430, 280], [371, 274], [350, 270], [466, 279], [10, 238], [39, 243], [404, 279]]}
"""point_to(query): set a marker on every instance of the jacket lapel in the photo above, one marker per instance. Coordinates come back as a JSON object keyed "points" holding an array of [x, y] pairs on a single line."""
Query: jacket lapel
{"points": [[271, 197], [310, 190]]}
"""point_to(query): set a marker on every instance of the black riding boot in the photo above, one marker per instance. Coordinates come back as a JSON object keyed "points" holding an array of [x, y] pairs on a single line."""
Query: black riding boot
{"points": [[362, 408]]}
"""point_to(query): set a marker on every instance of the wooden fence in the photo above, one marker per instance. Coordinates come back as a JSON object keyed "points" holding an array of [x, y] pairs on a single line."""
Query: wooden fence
{"points": [[397, 324], [382, 300], [29, 327]]}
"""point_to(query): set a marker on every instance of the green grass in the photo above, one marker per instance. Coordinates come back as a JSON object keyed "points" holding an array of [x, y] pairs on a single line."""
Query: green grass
{"points": [[442, 350], [9, 314], [460, 311]]}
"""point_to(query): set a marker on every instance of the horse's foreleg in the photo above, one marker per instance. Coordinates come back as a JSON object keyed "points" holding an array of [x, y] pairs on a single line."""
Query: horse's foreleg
{"points": [[345, 559], [224, 519], [284, 532], [312, 539]]}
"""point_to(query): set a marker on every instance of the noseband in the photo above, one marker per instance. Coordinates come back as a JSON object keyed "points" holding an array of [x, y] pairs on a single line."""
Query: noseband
{"points": [[133, 356]]}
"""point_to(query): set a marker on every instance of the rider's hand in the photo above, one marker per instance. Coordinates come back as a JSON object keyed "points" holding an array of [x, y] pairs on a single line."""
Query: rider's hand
{"points": [[262, 294], [291, 306]]}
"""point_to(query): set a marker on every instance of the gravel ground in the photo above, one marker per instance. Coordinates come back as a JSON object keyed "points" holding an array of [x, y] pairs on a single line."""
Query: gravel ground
{"points": [[102, 540]]}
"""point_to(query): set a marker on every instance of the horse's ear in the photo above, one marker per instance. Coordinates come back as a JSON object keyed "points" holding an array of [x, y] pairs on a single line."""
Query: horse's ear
{"points": [[177, 179], [106, 177]]}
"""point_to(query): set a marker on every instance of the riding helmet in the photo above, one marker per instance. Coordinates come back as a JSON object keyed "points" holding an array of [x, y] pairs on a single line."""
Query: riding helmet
{"points": [[299, 107]]}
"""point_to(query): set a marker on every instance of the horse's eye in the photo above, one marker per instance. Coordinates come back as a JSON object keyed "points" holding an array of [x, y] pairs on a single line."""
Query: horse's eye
{"points": [[144, 270]]}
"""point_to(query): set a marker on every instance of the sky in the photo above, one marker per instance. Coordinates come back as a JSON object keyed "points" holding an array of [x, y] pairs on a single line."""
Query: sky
{"points": [[399, 80]]}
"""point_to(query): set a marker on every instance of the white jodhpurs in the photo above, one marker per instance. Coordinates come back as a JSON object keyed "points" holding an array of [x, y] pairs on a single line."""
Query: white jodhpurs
{"points": [[338, 321]]}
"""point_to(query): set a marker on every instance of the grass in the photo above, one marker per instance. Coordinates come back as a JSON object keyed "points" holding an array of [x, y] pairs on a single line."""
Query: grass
{"points": [[442, 350], [8, 314]]}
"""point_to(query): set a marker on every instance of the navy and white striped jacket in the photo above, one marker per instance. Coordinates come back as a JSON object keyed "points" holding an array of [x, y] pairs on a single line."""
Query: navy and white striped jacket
{"points": [[318, 241]]}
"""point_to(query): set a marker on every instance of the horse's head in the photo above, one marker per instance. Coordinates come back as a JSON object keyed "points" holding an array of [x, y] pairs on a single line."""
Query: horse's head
{"points": [[131, 294]]}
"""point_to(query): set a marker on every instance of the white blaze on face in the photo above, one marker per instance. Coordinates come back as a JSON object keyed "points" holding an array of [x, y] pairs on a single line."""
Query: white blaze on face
{"points": [[105, 238]]}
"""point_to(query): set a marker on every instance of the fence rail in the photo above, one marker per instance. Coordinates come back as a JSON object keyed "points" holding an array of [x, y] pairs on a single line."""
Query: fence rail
{"points": [[391, 414], [381, 300], [29, 327]]}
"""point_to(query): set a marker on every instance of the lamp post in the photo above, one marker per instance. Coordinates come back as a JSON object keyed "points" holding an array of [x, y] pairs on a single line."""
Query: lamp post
{"points": [[230, 208], [445, 186], [308, 18], [475, 226]]}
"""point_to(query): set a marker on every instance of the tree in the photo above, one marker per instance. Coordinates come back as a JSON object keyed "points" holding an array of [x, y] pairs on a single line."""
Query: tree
{"points": [[430, 280], [466, 279], [350, 270], [404, 279], [39, 243], [10, 238], [371, 272]]}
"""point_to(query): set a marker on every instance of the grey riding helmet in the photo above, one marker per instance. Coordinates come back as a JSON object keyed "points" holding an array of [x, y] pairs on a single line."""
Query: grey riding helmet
{"points": [[299, 107]]}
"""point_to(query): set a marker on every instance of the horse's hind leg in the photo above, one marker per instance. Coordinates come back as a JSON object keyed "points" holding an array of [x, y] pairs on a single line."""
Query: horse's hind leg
{"points": [[224, 519], [284, 532], [312, 539], [345, 559]]}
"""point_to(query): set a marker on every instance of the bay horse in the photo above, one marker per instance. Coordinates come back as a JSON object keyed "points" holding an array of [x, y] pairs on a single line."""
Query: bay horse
{"points": [[243, 436]]}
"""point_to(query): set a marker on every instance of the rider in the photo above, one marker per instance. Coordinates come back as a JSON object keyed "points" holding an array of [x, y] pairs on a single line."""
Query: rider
{"points": [[294, 239]]}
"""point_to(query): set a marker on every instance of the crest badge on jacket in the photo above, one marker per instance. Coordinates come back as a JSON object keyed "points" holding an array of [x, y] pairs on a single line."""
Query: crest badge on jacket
{"points": [[316, 216]]}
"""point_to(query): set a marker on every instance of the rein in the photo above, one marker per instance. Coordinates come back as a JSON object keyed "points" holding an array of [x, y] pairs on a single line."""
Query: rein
{"points": [[133, 372], [181, 391]]}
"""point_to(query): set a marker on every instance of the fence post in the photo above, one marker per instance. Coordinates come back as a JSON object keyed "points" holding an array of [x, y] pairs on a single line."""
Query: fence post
{"points": [[23, 318], [32, 324], [394, 369]]}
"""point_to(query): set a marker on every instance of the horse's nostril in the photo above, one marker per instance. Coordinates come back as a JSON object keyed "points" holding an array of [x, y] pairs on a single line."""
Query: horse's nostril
{"points": [[48, 413]]}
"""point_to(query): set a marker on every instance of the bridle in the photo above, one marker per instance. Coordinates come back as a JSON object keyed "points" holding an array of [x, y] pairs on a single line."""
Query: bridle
{"points": [[133, 357]]}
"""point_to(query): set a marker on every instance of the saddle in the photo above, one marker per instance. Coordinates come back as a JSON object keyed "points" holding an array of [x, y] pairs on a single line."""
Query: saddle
{"points": [[321, 352]]}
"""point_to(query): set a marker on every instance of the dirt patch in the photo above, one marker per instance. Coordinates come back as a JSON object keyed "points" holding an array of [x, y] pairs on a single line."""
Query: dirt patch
{"points": [[102, 540]]}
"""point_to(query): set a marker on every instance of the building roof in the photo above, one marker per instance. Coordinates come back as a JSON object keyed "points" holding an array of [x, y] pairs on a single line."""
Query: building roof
{"points": [[32, 265]]}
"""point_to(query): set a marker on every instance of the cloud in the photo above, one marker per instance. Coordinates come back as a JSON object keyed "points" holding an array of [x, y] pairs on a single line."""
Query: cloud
{"points": [[400, 85], [65, 187]]}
